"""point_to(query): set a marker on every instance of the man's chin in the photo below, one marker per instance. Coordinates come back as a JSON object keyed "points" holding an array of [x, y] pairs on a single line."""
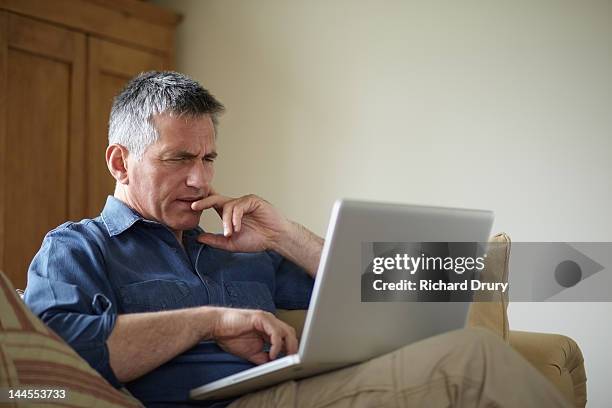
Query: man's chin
{"points": [[185, 223]]}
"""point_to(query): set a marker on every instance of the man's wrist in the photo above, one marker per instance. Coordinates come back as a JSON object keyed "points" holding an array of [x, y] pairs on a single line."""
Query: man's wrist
{"points": [[286, 238], [301, 246], [206, 318]]}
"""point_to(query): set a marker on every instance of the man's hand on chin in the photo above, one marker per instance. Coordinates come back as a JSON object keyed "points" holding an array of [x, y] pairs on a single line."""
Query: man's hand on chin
{"points": [[251, 224]]}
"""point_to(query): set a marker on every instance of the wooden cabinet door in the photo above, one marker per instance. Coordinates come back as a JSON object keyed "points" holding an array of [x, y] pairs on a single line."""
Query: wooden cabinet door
{"points": [[110, 67], [42, 122]]}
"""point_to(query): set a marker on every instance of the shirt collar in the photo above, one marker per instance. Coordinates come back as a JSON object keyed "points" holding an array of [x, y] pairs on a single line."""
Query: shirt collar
{"points": [[117, 216]]}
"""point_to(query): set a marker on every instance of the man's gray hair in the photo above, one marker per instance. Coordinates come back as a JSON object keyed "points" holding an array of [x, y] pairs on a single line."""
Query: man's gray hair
{"points": [[151, 93]]}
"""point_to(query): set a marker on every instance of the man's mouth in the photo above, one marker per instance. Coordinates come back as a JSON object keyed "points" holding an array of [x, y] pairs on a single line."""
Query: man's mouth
{"points": [[189, 200]]}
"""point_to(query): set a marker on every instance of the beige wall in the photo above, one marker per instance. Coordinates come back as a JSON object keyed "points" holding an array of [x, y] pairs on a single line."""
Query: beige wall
{"points": [[505, 105]]}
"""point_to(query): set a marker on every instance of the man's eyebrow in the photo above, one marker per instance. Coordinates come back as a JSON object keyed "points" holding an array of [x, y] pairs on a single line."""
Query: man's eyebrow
{"points": [[183, 154], [178, 154]]}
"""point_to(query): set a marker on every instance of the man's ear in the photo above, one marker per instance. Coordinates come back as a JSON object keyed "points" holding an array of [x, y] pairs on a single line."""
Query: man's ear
{"points": [[117, 162]]}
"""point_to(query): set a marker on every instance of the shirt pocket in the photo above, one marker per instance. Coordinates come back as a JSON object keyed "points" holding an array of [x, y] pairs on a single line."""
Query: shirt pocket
{"points": [[154, 295], [249, 295]]}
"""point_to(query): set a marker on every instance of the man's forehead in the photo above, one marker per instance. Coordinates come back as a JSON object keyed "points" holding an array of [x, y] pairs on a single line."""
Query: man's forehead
{"points": [[185, 132], [182, 149], [172, 121]]}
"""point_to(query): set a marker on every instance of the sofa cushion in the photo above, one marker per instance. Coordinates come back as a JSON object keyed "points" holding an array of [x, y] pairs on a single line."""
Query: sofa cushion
{"points": [[492, 312], [32, 356]]}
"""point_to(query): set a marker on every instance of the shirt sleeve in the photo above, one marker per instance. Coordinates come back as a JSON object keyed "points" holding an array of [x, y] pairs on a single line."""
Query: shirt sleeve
{"points": [[293, 285], [67, 288]]}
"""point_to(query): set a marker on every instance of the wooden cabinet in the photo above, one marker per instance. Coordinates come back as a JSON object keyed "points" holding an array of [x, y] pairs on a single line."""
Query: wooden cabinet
{"points": [[61, 64], [43, 129]]}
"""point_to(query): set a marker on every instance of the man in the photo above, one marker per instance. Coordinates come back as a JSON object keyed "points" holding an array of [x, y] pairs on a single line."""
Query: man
{"points": [[159, 306]]}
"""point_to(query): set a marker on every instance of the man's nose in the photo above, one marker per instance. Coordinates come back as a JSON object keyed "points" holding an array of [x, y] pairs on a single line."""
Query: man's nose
{"points": [[200, 175]]}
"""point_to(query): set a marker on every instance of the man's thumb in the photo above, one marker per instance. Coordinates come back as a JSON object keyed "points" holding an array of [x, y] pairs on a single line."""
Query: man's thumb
{"points": [[214, 240], [259, 358]]}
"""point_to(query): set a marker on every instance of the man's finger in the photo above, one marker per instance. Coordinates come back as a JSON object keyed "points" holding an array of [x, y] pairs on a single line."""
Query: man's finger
{"points": [[275, 337], [215, 201], [214, 240], [237, 218], [243, 205], [276, 342], [291, 343], [228, 227], [259, 358]]}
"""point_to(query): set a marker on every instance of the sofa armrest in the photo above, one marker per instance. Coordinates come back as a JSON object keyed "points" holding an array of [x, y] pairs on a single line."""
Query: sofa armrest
{"points": [[557, 357], [294, 318]]}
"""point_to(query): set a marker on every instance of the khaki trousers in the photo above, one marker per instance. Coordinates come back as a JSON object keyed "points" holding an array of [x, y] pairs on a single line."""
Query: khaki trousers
{"points": [[464, 368]]}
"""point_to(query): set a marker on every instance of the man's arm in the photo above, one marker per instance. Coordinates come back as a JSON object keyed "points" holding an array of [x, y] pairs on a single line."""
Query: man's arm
{"points": [[141, 342], [252, 224], [301, 246]]}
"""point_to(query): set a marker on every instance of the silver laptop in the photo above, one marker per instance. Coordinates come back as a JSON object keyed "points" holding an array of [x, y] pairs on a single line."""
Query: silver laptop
{"points": [[340, 329]]}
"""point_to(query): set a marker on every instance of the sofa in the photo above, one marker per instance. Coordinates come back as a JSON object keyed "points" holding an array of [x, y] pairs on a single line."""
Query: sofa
{"points": [[33, 356]]}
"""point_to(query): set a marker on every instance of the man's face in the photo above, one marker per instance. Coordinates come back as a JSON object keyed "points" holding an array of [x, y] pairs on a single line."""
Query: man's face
{"points": [[174, 171]]}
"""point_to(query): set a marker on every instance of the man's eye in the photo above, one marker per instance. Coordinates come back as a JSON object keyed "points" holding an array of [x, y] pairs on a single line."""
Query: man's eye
{"points": [[175, 160], [209, 159]]}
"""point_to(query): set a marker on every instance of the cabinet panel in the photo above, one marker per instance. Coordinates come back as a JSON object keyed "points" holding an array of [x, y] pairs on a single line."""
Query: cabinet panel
{"points": [[133, 22], [110, 67], [43, 119]]}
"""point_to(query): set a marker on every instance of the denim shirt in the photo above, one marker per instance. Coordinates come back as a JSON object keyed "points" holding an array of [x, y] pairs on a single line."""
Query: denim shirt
{"points": [[87, 273]]}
